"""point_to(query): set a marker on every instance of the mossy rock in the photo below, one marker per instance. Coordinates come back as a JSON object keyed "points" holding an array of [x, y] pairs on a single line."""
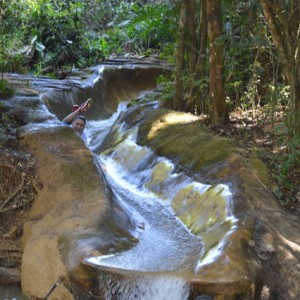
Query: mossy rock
{"points": [[261, 172], [181, 138]]}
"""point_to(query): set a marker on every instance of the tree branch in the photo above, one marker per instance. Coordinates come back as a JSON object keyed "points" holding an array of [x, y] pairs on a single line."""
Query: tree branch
{"points": [[270, 9]]}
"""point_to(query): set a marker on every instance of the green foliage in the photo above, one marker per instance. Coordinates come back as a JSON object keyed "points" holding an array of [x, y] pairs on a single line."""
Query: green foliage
{"points": [[167, 87], [168, 52], [243, 68], [288, 170], [143, 28], [12, 16], [71, 32], [48, 32], [59, 28], [7, 125], [6, 89], [152, 25]]}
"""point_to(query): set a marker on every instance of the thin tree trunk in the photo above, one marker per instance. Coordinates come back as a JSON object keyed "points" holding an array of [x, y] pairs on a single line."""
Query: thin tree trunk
{"points": [[283, 20], [179, 69], [202, 57], [294, 117], [218, 113], [192, 45]]}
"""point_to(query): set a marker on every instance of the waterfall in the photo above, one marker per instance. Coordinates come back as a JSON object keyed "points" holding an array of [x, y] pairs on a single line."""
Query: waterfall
{"points": [[148, 288], [150, 188], [174, 226]]}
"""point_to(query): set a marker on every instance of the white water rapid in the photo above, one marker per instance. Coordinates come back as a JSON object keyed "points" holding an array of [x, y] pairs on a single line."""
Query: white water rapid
{"points": [[148, 288], [167, 251]]}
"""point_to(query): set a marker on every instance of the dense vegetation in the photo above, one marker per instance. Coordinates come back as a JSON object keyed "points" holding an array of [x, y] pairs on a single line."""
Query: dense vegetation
{"points": [[256, 43], [37, 34]]}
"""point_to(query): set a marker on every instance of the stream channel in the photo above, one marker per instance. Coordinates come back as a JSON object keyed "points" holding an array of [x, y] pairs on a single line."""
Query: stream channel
{"points": [[166, 253]]}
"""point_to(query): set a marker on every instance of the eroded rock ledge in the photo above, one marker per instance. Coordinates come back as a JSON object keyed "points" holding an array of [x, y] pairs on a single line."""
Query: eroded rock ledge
{"points": [[73, 204]]}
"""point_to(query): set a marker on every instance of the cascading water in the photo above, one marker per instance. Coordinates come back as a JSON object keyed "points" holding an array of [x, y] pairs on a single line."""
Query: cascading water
{"points": [[175, 226], [171, 248], [148, 288]]}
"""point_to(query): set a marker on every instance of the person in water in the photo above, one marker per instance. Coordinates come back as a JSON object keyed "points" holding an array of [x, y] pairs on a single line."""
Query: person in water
{"points": [[77, 120]]}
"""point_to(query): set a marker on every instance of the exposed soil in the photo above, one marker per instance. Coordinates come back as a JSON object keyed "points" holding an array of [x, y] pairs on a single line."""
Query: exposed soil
{"points": [[19, 184], [17, 187], [255, 131], [17, 190]]}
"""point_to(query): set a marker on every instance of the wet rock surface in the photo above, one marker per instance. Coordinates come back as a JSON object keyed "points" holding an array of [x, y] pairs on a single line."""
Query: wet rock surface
{"points": [[261, 260], [268, 233]]}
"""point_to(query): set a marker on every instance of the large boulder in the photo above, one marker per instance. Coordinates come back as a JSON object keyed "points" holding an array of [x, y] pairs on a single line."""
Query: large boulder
{"points": [[70, 217], [70, 203], [267, 233]]}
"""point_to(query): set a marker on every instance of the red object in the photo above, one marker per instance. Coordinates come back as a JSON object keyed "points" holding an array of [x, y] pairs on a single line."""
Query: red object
{"points": [[75, 107]]}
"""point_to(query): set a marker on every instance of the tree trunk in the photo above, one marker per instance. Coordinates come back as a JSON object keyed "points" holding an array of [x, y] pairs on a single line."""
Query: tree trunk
{"points": [[294, 117], [283, 19], [202, 58], [192, 46], [218, 113], [179, 69]]}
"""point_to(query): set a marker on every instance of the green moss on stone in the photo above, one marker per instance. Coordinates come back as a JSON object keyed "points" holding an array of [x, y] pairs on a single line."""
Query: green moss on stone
{"points": [[260, 170], [187, 143]]}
